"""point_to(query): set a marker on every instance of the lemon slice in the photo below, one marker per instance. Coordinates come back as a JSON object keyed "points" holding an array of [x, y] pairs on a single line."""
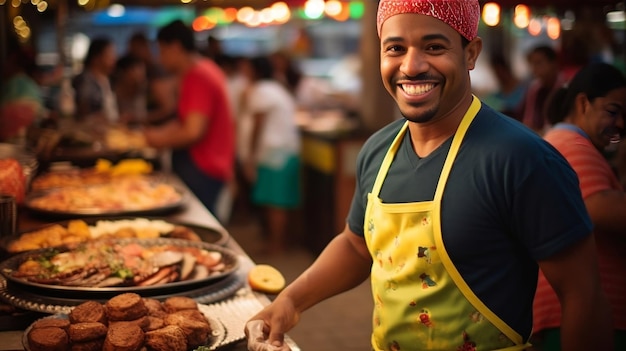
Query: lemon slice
{"points": [[266, 279]]}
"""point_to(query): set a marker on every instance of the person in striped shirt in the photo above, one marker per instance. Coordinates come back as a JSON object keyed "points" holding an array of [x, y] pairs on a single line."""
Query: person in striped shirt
{"points": [[588, 116]]}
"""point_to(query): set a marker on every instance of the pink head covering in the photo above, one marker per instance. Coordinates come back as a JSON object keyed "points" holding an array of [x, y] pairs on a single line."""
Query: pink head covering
{"points": [[462, 15]]}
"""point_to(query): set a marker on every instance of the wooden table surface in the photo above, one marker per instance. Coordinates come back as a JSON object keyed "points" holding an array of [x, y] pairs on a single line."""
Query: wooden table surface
{"points": [[193, 212]]}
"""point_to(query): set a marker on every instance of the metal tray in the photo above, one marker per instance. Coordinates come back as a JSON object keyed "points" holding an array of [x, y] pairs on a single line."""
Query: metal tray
{"points": [[210, 293], [229, 258]]}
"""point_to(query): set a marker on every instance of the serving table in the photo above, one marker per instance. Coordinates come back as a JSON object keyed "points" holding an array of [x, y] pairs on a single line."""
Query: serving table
{"points": [[233, 310]]}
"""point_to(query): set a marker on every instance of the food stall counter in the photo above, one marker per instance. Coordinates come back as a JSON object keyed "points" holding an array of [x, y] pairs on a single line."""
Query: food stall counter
{"points": [[232, 309]]}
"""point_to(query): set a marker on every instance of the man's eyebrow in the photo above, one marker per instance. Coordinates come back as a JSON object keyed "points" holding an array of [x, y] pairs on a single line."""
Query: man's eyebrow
{"points": [[392, 39], [426, 37]]}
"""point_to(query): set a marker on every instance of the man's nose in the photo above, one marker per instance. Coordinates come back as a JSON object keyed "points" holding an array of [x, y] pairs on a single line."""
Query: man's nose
{"points": [[414, 63]]}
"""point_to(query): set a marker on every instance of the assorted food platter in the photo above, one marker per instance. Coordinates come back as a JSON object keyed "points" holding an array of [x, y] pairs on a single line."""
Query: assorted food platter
{"points": [[102, 268], [77, 230], [130, 196]]}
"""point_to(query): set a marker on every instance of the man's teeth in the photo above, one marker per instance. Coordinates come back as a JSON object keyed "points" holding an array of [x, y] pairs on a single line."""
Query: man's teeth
{"points": [[414, 89]]}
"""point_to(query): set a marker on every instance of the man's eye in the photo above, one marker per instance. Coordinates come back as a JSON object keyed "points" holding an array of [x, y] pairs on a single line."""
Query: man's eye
{"points": [[612, 113], [435, 47], [394, 48]]}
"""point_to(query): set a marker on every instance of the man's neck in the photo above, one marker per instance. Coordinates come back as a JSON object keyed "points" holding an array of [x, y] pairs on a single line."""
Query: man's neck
{"points": [[427, 137]]}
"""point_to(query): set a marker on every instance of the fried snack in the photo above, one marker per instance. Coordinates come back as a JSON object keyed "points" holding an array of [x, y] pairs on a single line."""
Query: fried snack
{"points": [[123, 337], [195, 315], [48, 339], [155, 308], [154, 323], [87, 331], [169, 338], [46, 237], [141, 322], [179, 303], [88, 311], [52, 323], [54, 235], [125, 307], [79, 228], [196, 332], [91, 345]]}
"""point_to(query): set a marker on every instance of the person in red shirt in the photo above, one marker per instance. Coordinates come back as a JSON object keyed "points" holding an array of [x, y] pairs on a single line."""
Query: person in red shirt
{"points": [[202, 137], [589, 115]]}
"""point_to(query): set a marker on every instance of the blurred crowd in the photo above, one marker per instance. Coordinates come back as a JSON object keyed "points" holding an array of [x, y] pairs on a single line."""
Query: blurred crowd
{"points": [[228, 122]]}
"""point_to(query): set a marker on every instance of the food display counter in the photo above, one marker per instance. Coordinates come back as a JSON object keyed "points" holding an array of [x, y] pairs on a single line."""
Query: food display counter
{"points": [[232, 303]]}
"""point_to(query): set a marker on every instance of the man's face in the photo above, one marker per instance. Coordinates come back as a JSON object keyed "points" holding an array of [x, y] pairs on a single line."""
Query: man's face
{"points": [[169, 55], [108, 58], [424, 65], [541, 67], [604, 117]]}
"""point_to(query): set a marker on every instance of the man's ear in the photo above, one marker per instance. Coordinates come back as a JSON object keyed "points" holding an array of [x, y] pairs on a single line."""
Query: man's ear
{"points": [[472, 51]]}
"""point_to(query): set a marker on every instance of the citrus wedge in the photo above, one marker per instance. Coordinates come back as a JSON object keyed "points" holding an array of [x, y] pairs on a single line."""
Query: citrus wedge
{"points": [[266, 279]]}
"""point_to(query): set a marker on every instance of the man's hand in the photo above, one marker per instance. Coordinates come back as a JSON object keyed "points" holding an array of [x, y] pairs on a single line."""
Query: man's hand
{"points": [[258, 338], [266, 331]]}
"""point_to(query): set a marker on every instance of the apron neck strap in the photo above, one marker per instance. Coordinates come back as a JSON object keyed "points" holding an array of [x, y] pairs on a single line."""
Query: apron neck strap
{"points": [[456, 142]]}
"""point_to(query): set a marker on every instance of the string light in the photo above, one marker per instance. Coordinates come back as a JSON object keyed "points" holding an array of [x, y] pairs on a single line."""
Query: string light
{"points": [[491, 14], [521, 16]]}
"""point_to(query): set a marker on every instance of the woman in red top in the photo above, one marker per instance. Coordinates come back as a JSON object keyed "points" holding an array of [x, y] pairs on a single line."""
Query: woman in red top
{"points": [[589, 115]]}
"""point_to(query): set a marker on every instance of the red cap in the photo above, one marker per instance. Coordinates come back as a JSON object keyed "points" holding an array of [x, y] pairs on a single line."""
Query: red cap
{"points": [[462, 15]]}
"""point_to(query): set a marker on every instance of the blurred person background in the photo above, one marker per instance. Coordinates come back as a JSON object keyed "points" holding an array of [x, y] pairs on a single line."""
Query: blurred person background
{"points": [[272, 163], [21, 100], [130, 88], [161, 86], [202, 137], [510, 89], [547, 78], [94, 96], [588, 116]]}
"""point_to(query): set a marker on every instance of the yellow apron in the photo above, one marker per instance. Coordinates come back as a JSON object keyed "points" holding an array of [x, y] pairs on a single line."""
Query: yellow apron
{"points": [[421, 302]]}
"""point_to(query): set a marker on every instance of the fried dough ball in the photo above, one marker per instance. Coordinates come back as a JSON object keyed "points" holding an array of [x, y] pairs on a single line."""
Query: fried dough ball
{"points": [[168, 338], [48, 339], [125, 307]]}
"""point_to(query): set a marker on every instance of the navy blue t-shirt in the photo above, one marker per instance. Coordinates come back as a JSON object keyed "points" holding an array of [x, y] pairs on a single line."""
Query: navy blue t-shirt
{"points": [[511, 200]]}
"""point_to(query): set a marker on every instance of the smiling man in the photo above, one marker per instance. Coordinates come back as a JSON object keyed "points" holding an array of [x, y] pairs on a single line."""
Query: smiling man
{"points": [[455, 207]]}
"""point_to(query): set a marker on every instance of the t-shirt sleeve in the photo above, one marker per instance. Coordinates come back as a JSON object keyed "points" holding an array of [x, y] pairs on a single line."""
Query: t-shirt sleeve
{"points": [[552, 186], [356, 215], [592, 169]]}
